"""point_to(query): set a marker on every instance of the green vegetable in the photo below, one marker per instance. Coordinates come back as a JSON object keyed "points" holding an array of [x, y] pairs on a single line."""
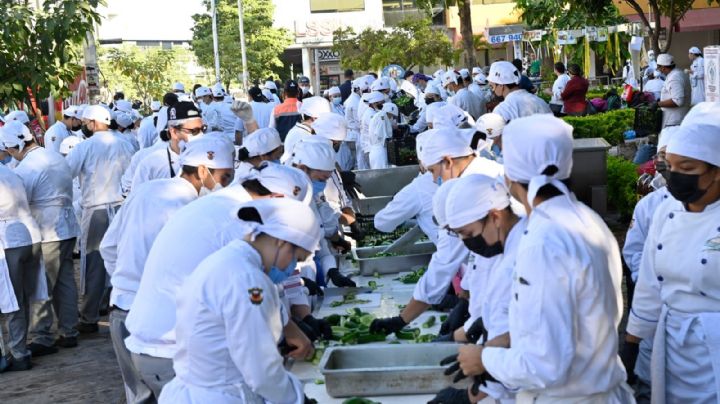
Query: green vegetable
{"points": [[317, 356], [443, 318], [429, 322], [385, 254], [354, 328], [319, 381], [408, 333], [359, 400], [376, 274], [425, 338], [333, 319], [372, 285], [350, 298], [412, 277]]}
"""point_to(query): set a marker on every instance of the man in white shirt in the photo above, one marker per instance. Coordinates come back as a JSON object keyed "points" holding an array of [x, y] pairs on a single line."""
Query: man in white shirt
{"points": [[310, 110], [517, 103], [655, 85], [62, 129], [675, 94], [99, 162], [556, 102], [147, 135], [204, 164], [461, 97], [48, 186]]}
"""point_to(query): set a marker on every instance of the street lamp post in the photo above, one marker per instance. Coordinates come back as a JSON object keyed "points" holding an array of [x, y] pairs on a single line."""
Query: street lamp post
{"points": [[242, 46], [216, 53]]}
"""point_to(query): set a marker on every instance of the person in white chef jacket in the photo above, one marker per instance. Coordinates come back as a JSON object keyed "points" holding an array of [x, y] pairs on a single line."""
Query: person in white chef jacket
{"points": [[675, 94], [21, 270], [447, 155], [460, 96], [433, 102], [566, 303], [674, 302], [413, 201], [189, 236], [204, 164], [146, 134], [63, 128], [229, 311], [99, 163], [375, 100], [125, 124], [478, 209], [223, 114], [310, 109], [351, 105], [362, 107], [697, 76], [380, 130], [184, 126], [262, 145], [504, 82], [49, 190]]}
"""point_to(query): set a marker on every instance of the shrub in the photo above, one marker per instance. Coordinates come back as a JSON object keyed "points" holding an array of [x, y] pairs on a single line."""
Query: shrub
{"points": [[609, 125], [621, 181]]}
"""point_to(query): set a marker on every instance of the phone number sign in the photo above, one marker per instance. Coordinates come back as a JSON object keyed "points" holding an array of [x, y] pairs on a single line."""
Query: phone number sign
{"points": [[496, 39]]}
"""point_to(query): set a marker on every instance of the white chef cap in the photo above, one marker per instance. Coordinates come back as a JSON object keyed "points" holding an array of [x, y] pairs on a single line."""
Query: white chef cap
{"points": [[491, 124], [480, 79], [280, 179], [390, 108], [464, 73], [330, 126], [178, 87], [314, 106], [534, 143], [15, 134], [265, 92], [444, 142], [450, 77], [334, 90], [699, 141], [503, 72], [202, 91], [68, 144], [665, 60], [472, 198], [476, 70], [72, 112], [374, 96], [448, 116], [432, 89], [97, 113], [382, 83], [409, 88], [438, 73], [314, 154], [695, 50], [705, 111], [19, 115], [420, 141], [285, 219], [440, 202], [124, 119], [209, 151], [217, 90], [665, 136], [123, 105], [228, 99], [262, 141], [270, 85]]}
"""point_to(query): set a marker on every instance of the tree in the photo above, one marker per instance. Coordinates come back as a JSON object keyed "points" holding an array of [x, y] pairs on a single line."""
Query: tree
{"points": [[464, 8], [412, 42], [264, 44], [41, 48]]}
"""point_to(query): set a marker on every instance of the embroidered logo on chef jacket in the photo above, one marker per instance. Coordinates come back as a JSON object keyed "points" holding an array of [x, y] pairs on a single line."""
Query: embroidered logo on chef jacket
{"points": [[211, 155], [53, 138], [713, 244], [256, 295]]}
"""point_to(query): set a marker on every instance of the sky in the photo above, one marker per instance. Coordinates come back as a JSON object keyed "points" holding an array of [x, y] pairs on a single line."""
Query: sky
{"points": [[151, 20]]}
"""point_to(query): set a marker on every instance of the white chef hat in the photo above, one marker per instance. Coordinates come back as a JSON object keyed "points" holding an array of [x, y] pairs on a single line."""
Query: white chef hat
{"points": [[209, 151], [503, 72], [155, 106], [382, 83], [123, 105], [281, 179], [695, 50], [699, 141], [420, 141], [314, 106], [68, 144], [439, 202], [438, 74], [409, 88], [464, 73], [450, 77], [665, 136], [432, 110], [97, 113], [374, 96], [491, 124], [124, 119], [364, 82], [71, 111], [444, 142], [178, 86], [432, 89], [665, 59], [314, 154], [331, 126], [15, 134], [19, 115], [326, 93], [705, 111], [476, 70], [534, 143], [285, 219], [262, 141], [202, 91], [267, 94], [449, 116], [481, 79], [390, 108], [334, 90], [270, 85], [217, 90], [487, 193]]}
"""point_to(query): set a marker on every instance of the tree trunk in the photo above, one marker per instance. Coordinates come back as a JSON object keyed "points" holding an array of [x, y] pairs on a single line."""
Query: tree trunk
{"points": [[466, 31]]}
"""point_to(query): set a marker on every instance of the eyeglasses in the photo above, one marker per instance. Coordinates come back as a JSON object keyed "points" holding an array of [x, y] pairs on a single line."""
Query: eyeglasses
{"points": [[193, 131]]}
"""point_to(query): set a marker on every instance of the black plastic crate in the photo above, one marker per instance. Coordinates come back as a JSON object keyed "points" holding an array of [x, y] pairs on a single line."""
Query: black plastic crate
{"points": [[401, 152]]}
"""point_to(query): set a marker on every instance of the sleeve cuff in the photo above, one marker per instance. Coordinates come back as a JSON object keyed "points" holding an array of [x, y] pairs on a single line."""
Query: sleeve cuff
{"points": [[493, 359], [641, 327]]}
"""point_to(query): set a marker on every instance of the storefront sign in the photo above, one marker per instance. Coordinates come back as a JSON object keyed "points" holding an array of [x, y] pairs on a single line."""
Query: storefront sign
{"points": [[508, 33]]}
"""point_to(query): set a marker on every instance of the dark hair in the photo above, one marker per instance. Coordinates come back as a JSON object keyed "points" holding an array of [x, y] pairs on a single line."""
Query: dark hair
{"points": [[408, 73], [477, 137], [574, 69], [249, 214], [189, 170], [291, 89], [113, 125], [119, 96], [518, 65], [170, 99], [373, 74], [195, 87], [512, 85], [256, 187], [559, 66], [243, 154], [256, 94], [549, 191], [349, 73]]}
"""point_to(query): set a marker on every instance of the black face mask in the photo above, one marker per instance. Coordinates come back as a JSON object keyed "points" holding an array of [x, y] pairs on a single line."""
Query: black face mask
{"points": [[87, 132], [684, 187], [661, 168], [76, 128], [478, 245], [429, 101]]}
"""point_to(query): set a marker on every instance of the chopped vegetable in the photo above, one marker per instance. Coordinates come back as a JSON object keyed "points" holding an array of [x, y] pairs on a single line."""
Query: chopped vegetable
{"points": [[443, 318], [354, 328], [412, 277], [429, 322], [408, 333], [376, 274], [350, 298], [359, 400], [425, 338], [317, 356], [319, 381], [373, 285], [385, 254]]}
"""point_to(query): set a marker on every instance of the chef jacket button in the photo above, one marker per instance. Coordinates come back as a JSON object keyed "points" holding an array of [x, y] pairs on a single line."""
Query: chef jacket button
{"points": [[660, 278], [703, 294], [660, 246], [525, 232], [665, 196], [516, 296], [703, 261], [672, 215]]}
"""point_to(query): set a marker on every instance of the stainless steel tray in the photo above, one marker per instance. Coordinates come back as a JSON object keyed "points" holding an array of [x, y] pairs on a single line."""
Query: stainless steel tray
{"points": [[370, 206], [385, 369], [410, 257], [385, 181]]}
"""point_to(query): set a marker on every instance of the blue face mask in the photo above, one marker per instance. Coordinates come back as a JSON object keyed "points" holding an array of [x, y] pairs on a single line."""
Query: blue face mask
{"points": [[318, 186], [279, 275], [6, 160]]}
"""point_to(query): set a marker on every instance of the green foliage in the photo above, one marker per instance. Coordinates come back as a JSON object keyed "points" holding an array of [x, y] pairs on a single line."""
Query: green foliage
{"points": [[621, 178], [41, 48], [413, 42], [264, 44], [609, 125]]}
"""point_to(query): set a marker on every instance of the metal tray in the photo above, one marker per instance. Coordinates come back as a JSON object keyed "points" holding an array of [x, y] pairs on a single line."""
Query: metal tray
{"points": [[385, 181], [370, 206], [410, 257], [385, 369]]}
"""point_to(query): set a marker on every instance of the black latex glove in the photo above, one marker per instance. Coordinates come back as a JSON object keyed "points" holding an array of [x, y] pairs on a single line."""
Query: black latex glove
{"points": [[312, 287], [451, 395], [476, 331], [341, 244], [387, 325], [459, 375], [448, 303], [351, 187], [308, 330], [284, 348], [457, 317], [319, 326], [628, 355], [445, 338], [356, 232], [339, 279], [308, 400]]}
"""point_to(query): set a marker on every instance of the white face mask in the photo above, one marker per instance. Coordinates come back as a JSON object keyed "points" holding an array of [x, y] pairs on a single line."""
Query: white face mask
{"points": [[205, 191], [337, 100], [305, 90]]}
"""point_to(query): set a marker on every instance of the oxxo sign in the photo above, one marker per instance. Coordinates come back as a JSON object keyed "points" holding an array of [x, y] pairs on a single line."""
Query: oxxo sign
{"points": [[327, 55]]}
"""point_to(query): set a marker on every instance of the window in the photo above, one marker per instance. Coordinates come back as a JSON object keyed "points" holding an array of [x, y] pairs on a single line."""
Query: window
{"points": [[333, 6], [479, 2]]}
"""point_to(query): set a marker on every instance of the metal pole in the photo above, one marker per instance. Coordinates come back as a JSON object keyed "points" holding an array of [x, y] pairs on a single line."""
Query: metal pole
{"points": [[317, 73], [216, 53], [242, 46]]}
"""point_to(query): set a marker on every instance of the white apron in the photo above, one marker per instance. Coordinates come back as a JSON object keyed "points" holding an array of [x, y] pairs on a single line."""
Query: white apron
{"points": [[84, 229], [622, 394], [8, 302], [378, 157]]}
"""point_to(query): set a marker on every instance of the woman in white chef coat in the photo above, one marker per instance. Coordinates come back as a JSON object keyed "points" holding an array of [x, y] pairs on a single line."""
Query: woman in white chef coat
{"points": [[697, 76], [229, 316], [676, 298], [381, 129], [262, 145]]}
